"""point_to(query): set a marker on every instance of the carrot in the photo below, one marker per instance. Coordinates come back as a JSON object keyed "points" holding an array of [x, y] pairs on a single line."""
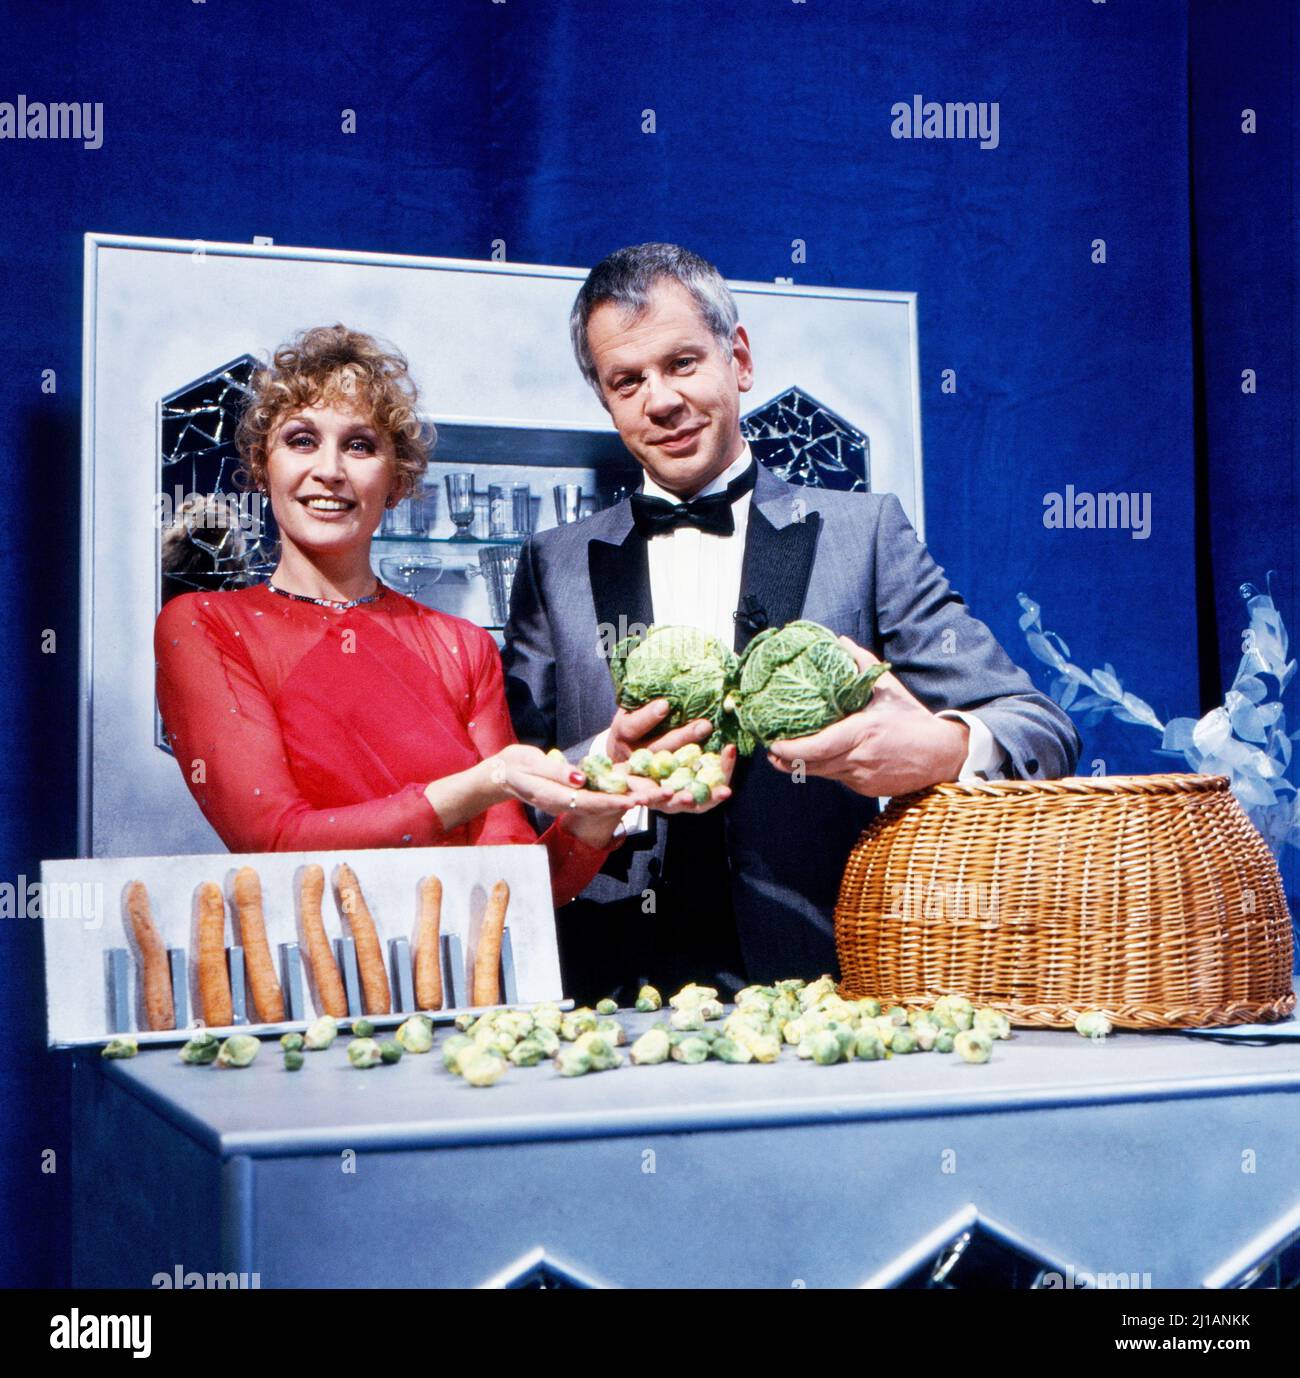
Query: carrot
{"points": [[322, 969], [375, 994], [428, 960], [155, 973], [214, 976], [268, 1002], [487, 955]]}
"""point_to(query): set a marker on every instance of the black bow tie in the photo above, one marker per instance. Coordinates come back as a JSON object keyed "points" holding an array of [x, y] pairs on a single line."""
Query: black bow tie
{"points": [[655, 516]]}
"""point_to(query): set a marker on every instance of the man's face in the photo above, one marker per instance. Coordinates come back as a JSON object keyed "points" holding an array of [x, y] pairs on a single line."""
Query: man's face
{"points": [[671, 391]]}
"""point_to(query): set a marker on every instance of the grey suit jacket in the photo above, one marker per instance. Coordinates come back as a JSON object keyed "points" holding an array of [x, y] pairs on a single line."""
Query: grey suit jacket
{"points": [[848, 560]]}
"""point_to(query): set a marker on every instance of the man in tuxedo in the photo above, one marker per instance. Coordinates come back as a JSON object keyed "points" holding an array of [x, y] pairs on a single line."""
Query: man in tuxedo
{"points": [[744, 891]]}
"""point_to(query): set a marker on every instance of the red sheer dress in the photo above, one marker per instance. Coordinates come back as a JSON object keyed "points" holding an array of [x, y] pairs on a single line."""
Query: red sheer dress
{"points": [[298, 728]]}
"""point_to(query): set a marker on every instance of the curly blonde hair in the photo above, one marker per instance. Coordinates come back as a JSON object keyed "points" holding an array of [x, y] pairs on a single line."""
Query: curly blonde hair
{"points": [[328, 364]]}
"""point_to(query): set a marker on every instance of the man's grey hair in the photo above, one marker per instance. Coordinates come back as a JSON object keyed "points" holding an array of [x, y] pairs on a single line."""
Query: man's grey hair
{"points": [[626, 278]]}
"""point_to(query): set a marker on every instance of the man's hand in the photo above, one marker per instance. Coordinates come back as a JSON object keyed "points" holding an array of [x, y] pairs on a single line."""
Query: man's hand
{"points": [[634, 729], [893, 746]]}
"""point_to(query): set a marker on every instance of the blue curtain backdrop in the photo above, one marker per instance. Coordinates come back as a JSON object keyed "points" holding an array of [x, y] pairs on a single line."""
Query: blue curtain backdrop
{"points": [[524, 122]]}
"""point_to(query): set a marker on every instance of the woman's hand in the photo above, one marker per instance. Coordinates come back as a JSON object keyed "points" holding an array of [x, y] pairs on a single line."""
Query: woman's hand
{"points": [[558, 788]]}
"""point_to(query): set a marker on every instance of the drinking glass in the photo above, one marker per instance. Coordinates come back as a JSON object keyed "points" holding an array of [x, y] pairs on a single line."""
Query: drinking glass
{"points": [[568, 502], [460, 504], [512, 510]]}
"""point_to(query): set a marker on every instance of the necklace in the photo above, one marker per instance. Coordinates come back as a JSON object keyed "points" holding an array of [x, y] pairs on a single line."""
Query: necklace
{"points": [[339, 604]]}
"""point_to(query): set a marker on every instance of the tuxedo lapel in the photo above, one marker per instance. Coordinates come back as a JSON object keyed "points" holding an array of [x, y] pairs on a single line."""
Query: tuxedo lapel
{"points": [[620, 585], [779, 552]]}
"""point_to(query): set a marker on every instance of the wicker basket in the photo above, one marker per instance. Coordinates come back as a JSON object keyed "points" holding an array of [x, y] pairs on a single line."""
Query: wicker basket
{"points": [[1152, 897]]}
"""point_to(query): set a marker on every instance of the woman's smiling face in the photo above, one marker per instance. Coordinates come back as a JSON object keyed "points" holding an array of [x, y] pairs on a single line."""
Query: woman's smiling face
{"points": [[329, 474]]}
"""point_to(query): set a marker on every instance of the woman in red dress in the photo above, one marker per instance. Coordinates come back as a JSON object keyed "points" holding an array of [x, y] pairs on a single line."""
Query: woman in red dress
{"points": [[323, 711]]}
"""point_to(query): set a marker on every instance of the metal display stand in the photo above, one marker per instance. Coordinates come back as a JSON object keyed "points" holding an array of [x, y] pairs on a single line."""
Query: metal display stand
{"points": [[92, 980]]}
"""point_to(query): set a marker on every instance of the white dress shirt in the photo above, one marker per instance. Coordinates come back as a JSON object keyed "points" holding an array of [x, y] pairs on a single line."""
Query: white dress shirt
{"points": [[695, 581]]}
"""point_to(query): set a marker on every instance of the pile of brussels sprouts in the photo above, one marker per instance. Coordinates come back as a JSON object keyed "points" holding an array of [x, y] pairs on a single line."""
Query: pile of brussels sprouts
{"points": [[810, 1017], [690, 768]]}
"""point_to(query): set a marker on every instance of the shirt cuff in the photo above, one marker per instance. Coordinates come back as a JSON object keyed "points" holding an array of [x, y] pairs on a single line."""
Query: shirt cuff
{"points": [[983, 755], [637, 818]]}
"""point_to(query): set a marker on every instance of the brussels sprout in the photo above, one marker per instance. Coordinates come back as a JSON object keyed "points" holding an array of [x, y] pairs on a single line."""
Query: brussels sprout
{"points": [[202, 1048], [391, 1051], [810, 993], [663, 765], [903, 1041], [453, 1048], [484, 1069], [648, 1000], [689, 1018], [572, 1061], [293, 1060], [291, 1042], [699, 791], [691, 1050], [464, 1022], [793, 1031], [896, 1014], [926, 1035], [689, 754], [703, 762], [600, 1049], [652, 1047], [612, 1032], [954, 1012], [689, 668], [795, 680], [364, 1052], [415, 1034], [692, 994], [547, 1039], [729, 1050], [594, 766], [973, 1046], [238, 1050], [943, 1042], [764, 1047], [868, 1046], [320, 1033], [547, 1016], [362, 1028], [610, 782], [711, 1009], [846, 1034], [869, 1008], [123, 1046], [607, 1006], [681, 779], [824, 1048], [1093, 1024], [992, 1022], [497, 1041], [519, 1023], [528, 1052], [641, 762]]}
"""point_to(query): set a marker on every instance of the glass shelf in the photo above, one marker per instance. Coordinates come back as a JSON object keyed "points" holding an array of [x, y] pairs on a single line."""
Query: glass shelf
{"points": [[448, 540]]}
